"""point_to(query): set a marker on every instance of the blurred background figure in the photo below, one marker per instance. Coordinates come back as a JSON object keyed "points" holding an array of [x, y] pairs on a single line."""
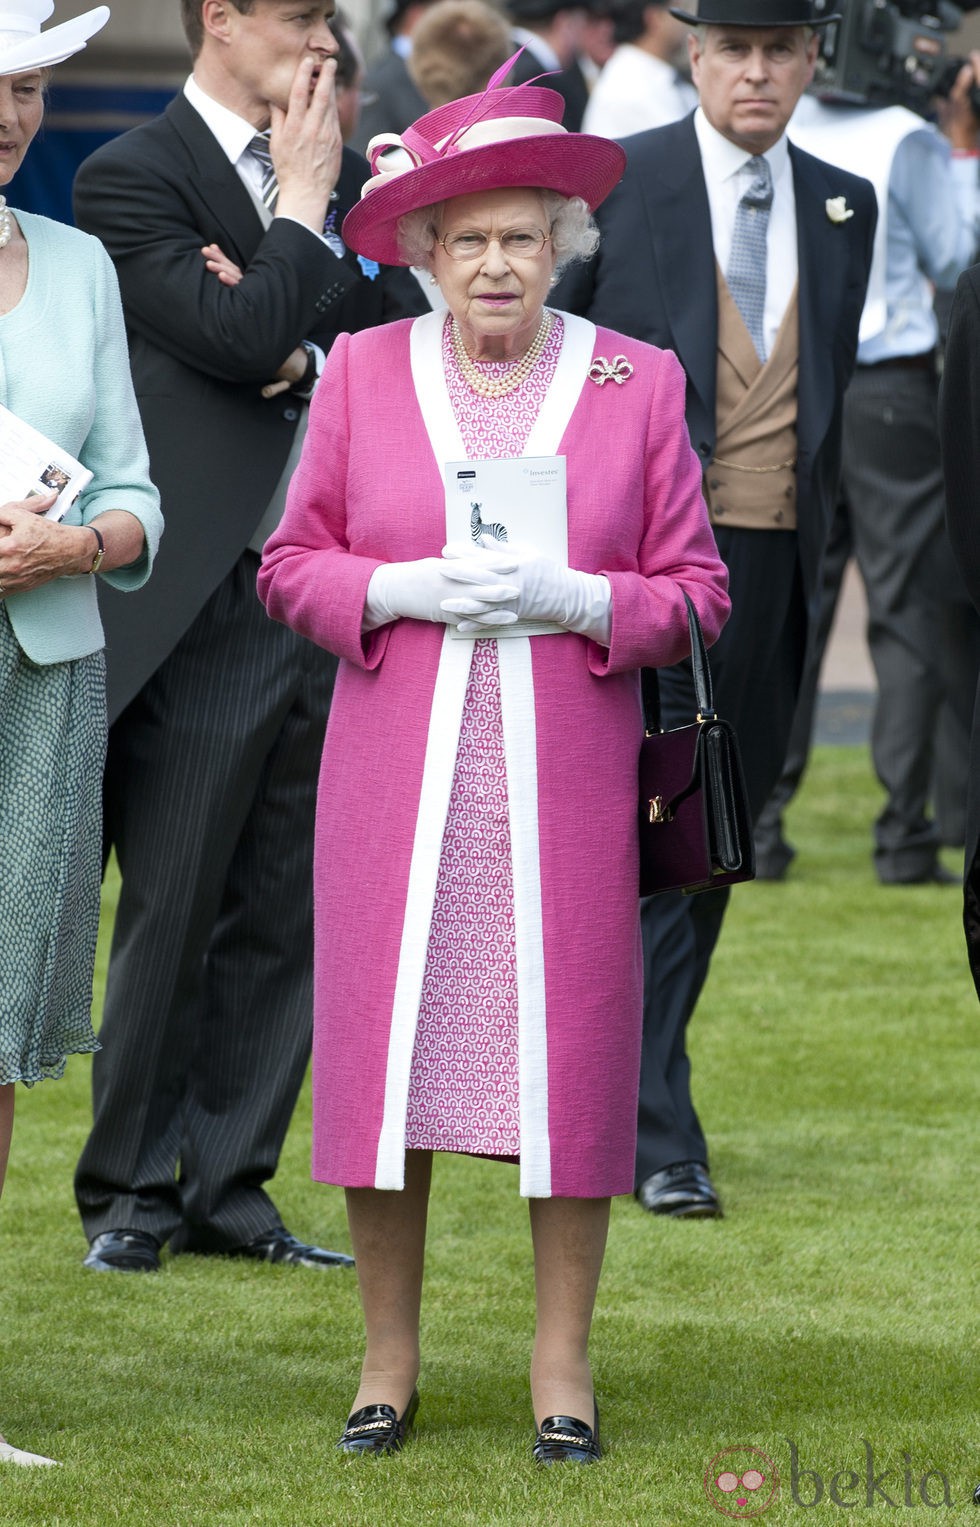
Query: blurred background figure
{"points": [[598, 42], [391, 99], [349, 77], [641, 86], [551, 32], [456, 47]]}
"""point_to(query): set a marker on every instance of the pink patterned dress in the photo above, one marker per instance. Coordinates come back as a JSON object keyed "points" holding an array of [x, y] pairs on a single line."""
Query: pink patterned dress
{"points": [[463, 1091]]}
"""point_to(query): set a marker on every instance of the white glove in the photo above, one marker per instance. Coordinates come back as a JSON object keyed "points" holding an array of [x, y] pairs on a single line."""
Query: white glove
{"points": [[421, 590], [491, 600], [546, 591]]}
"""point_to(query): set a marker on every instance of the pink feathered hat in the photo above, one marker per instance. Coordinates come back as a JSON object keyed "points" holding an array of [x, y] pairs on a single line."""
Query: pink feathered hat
{"points": [[505, 136]]}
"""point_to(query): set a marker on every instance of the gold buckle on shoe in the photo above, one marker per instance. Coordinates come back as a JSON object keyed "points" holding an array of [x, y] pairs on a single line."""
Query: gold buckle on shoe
{"points": [[368, 1426]]}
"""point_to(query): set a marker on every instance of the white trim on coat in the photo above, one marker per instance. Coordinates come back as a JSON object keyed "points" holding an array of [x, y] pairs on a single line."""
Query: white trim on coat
{"points": [[520, 751], [520, 747], [437, 781]]}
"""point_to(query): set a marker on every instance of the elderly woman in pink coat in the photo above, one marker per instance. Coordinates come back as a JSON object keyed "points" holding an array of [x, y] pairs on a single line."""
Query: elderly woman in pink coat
{"points": [[494, 523]]}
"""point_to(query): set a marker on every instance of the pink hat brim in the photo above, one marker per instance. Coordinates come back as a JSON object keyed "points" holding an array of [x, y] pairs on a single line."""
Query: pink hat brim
{"points": [[572, 164]]}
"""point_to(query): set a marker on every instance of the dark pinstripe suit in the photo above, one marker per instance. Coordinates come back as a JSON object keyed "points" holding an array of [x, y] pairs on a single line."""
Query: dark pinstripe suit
{"points": [[213, 755]]}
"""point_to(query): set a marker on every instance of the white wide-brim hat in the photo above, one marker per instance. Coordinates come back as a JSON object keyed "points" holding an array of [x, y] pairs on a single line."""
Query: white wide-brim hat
{"points": [[24, 46]]}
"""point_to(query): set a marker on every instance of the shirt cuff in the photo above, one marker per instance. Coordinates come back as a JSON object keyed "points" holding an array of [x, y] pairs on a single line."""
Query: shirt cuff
{"points": [[285, 218]]}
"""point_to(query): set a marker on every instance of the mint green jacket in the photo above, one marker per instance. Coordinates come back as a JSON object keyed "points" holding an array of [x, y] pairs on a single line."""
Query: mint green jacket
{"points": [[64, 368]]}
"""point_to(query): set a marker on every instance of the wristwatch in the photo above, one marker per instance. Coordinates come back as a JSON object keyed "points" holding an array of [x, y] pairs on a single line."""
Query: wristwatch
{"points": [[100, 550], [308, 380]]}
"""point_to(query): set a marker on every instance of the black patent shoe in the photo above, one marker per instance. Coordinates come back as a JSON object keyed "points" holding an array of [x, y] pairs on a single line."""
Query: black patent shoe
{"points": [[682, 1191], [376, 1428], [562, 1439], [123, 1251], [278, 1245]]}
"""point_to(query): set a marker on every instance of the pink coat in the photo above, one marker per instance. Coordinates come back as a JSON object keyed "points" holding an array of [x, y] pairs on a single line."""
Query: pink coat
{"points": [[369, 489]]}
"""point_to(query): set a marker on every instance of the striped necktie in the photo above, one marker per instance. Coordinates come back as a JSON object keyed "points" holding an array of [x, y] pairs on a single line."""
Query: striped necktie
{"points": [[746, 273], [259, 148]]}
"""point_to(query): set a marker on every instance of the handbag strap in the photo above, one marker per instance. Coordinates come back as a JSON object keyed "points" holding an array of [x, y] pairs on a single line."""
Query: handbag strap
{"points": [[650, 689]]}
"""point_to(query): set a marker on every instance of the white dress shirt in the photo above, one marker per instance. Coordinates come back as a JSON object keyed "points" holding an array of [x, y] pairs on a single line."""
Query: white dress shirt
{"points": [[721, 161], [636, 91]]}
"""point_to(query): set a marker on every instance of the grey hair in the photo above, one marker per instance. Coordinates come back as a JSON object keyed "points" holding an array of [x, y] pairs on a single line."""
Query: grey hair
{"points": [[574, 235], [703, 27]]}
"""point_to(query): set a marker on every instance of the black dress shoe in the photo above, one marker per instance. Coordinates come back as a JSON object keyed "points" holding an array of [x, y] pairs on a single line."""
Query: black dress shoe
{"points": [[684, 1191], [124, 1251], [772, 860], [376, 1428], [562, 1439], [936, 874], [279, 1246]]}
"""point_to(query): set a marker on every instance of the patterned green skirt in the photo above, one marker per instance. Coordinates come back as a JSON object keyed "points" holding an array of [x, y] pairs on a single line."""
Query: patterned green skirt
{"points": [[52, 753]]}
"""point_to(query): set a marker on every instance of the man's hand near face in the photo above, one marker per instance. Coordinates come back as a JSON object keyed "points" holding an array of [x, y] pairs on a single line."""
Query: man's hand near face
{"points": [[956, 116], [306, 144]]}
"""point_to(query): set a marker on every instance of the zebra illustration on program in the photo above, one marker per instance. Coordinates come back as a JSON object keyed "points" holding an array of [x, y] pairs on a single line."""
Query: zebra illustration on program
{"points": [[495, 532]]}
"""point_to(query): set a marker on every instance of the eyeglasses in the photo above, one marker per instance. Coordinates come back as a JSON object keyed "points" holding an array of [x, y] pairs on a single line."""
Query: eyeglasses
{"points": [[469, 244]]}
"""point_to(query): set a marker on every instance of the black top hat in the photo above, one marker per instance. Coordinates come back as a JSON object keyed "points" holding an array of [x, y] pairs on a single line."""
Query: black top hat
{"points": [[539, 10], [392, 11], [756, 13]]}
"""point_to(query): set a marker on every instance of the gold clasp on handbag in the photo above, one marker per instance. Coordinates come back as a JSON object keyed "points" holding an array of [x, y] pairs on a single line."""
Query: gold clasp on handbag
{"points": [[659, 812]]}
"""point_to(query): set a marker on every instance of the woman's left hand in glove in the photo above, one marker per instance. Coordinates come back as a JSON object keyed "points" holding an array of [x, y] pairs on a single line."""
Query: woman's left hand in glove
{"points": [[546, 591]]}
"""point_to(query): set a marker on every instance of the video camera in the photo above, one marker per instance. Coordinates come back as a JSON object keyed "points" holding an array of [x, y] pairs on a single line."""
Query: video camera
{"points": [[888, 52]]}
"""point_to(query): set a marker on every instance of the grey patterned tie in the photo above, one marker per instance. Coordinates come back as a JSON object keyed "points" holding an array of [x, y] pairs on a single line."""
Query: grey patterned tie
{"points": [[259, 148], [746, 274]]}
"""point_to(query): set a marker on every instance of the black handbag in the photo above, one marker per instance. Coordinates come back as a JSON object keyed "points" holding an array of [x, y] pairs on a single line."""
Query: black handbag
{"points": [[695, 825]]}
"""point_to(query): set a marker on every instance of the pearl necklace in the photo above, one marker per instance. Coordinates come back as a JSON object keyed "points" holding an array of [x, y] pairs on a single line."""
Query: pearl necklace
{"points": [[6, 224], [499, 387]]}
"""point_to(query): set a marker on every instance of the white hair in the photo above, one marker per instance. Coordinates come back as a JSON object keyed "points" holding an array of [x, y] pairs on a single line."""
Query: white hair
{"points": [[574, 235]]}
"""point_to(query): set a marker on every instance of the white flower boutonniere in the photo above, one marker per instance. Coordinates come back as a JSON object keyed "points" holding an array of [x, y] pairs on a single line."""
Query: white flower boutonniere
{"points": [[837, 209]]}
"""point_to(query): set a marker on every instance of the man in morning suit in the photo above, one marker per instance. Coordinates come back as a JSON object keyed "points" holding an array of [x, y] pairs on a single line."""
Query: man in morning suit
{"points": [[750, 260], [235, 283]]}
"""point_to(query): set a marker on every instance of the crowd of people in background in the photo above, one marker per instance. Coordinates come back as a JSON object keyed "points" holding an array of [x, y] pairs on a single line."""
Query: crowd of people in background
{"points": [[737, 360]]}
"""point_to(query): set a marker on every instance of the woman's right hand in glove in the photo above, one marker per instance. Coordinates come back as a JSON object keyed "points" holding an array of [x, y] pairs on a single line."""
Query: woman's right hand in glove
{"points": [[420, 590]]}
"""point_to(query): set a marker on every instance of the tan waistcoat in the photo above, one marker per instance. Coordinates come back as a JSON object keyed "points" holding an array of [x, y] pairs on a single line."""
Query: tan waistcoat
{"points": [[751, 483]]}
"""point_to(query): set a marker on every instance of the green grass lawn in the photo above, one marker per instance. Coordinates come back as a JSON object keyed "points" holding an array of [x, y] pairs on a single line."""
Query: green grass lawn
{"points": [[830, 1319]]}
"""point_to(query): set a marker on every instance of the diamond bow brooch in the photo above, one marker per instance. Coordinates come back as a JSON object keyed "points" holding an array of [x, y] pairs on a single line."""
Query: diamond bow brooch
{"points": [[617, 370]]}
